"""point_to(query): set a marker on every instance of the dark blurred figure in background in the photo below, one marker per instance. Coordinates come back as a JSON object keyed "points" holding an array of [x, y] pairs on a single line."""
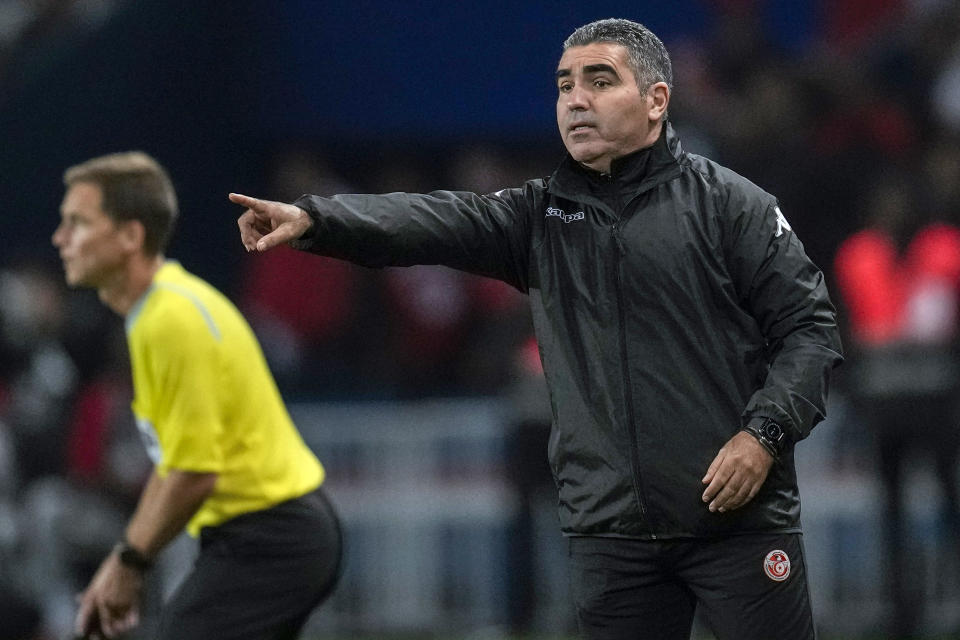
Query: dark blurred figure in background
{"points": [[38, 381], [64, 467], [72, 518], [900, 281], [41, 377], [20, 615], [21, 618]]}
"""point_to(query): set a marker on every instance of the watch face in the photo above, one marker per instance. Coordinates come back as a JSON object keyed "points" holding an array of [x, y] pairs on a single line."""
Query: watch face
{"points": [[773, 431]]}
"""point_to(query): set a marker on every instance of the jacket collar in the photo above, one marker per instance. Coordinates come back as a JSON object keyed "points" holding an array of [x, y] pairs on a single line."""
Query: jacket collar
{"points": [[631, 174]]}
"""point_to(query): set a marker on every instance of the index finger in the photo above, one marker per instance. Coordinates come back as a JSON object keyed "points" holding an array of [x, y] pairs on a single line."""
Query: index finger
{"points": [[245, 201]]}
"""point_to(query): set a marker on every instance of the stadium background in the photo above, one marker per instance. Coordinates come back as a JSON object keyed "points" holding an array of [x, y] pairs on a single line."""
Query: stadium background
{"points": [[419, 387]]}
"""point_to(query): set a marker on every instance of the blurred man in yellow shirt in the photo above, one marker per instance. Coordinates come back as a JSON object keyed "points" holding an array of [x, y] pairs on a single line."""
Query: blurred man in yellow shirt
{"points": [[229, 464]]}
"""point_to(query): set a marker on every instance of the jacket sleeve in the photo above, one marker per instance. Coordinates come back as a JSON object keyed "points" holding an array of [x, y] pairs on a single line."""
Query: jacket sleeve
{"points": [[787, 296], [482, 234]]}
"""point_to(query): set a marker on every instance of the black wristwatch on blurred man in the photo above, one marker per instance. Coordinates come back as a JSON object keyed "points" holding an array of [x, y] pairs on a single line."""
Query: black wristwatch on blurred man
{"points": [[132, 557], [769, 434]]}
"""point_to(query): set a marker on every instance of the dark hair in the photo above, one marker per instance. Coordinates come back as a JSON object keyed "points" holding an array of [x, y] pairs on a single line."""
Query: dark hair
{"points": [[646, 55], [134, 187]]}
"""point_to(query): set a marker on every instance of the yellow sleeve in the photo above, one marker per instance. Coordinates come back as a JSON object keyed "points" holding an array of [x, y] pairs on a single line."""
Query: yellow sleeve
{"points": [[184, 356]]}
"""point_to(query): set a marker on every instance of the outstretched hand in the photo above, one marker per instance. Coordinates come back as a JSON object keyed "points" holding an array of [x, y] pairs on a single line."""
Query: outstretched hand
{"points": [[736, 473], [266, 223]]}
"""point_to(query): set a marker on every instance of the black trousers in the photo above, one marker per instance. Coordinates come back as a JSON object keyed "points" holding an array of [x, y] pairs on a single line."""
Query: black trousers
{"points": [[259, 575], [637, 590]]}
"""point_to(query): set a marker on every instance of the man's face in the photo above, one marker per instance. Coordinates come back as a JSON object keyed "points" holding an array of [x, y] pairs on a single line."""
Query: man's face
{"points": [[601, 111], [89, 240]]}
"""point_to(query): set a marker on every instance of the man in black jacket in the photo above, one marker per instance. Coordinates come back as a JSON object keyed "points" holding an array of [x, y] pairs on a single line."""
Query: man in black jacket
{"points": [[686, 338]]}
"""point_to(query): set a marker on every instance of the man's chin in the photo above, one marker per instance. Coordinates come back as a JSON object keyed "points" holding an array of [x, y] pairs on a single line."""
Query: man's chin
{"points": [[75, 281], [585, 156]]}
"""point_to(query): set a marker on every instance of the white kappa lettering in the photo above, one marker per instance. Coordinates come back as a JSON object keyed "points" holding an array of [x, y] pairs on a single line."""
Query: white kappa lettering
{"points": [[566, 217]]}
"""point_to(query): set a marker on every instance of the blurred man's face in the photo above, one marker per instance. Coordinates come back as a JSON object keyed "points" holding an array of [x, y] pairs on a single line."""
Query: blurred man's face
{"points": [[88, 239], [601, 112]]}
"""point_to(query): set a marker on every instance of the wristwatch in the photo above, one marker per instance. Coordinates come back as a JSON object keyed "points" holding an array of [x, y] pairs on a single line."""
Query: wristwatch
{"points": [[131, 557], [769, 434]]}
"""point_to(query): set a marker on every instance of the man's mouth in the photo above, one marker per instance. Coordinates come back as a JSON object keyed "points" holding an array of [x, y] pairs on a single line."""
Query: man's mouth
{"points": [[579, 128]]}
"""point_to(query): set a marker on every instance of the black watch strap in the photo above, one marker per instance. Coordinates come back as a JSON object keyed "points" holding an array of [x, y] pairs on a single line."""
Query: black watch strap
{"points": [[768, 433], [132, 557]]}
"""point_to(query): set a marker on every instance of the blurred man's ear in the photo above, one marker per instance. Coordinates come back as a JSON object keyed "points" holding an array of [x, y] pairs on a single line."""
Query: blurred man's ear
{"points": [[132, 235]]}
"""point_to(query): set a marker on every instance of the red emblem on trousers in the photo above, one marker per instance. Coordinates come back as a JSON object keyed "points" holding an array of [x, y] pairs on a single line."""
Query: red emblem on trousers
{"points": [[777, 565]]}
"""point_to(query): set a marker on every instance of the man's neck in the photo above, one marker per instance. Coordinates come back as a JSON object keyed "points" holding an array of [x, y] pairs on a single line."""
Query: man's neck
{"points": [[607, 168], [130, 284]]}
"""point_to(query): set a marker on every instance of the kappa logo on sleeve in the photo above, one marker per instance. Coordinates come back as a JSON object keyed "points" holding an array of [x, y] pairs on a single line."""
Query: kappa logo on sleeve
{"points": [[781, 223], [566, 217]]}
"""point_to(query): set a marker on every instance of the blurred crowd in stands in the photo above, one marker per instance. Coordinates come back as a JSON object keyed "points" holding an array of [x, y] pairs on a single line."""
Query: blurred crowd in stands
{"points": [[33, 31], [860, 130]]}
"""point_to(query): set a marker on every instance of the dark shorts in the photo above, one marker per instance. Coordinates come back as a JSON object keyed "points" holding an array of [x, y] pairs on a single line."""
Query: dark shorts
{"points": [[635, 589], [259, 575]]}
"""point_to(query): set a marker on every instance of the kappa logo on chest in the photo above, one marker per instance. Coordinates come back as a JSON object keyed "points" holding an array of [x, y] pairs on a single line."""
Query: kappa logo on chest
{"points": [[553, 212]]}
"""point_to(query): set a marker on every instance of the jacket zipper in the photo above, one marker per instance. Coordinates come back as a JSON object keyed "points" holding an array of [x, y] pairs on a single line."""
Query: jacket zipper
{"points": [[628, 386]]}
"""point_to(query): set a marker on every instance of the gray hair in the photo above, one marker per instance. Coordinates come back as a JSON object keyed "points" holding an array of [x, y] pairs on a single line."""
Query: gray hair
{"points": [[646, 55]]}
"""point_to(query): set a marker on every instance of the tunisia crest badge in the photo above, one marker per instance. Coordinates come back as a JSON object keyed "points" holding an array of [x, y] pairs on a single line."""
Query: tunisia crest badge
{"points": [[777, 565]]}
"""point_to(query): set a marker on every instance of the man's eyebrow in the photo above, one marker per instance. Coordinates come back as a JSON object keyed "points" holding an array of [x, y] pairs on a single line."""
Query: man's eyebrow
{"points": [[590, 68], [600, 68]]}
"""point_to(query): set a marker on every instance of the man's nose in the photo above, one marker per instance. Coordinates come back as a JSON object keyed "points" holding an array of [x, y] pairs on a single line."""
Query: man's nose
{"points": [[577, 99]]}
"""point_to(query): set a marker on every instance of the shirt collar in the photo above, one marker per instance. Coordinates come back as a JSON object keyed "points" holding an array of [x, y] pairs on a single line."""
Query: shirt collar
{"points": [[633, 173]]}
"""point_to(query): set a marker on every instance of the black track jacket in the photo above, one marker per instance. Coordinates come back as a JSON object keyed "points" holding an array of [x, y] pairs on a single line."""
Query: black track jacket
{"points": [[672, 305]]}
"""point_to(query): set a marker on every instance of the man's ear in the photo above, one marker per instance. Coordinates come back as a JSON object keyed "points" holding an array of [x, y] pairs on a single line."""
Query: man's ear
{"points": [[132, 235], [658, 98]]}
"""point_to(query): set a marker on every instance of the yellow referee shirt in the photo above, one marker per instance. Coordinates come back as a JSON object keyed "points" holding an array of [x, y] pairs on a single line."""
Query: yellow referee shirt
{"points": [[205, 400]]}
